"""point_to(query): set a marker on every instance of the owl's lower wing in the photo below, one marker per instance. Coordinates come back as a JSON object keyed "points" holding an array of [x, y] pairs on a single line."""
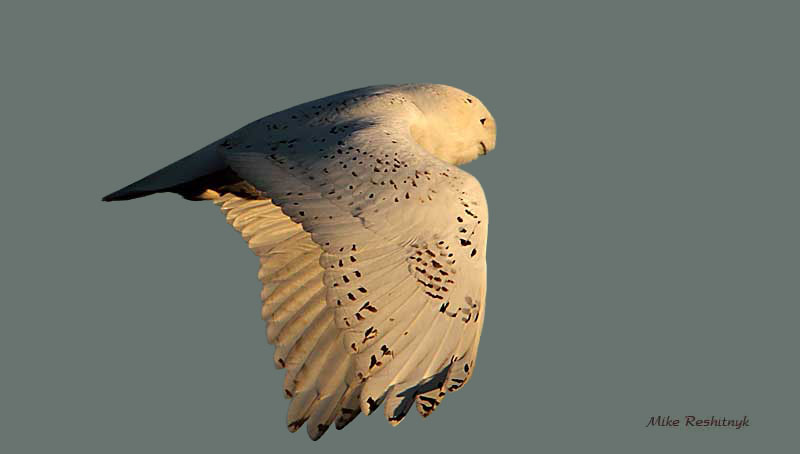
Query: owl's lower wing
{"points": [[373, 264]]}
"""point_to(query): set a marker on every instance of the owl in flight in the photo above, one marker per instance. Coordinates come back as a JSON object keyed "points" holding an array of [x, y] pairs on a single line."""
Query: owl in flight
{"points": [[372, 243]]}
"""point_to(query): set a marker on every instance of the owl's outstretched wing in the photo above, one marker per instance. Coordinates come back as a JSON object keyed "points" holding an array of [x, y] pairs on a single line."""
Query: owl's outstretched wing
{"points": [[373, 262]]}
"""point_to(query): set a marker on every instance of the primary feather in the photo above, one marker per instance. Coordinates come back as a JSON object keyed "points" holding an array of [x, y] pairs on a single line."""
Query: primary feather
{"points": [[371, 241]]}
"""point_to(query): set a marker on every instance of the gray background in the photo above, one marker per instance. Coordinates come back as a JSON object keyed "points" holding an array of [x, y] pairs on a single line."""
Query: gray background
{"points": [[643, 251]]}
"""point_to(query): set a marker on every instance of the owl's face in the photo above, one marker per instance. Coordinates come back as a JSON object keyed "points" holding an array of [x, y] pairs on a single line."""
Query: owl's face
{"points": [[453, 125]]}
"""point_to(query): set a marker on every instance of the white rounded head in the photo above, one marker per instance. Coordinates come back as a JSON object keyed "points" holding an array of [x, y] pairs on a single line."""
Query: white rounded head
{"points": [[454, 126]]}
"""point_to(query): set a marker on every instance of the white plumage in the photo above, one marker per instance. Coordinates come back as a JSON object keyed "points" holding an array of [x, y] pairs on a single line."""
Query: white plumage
{"points": [[372, 243]]}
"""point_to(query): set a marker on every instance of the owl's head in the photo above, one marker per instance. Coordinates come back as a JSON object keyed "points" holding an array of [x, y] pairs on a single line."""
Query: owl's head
{"points": [[452, 125]]}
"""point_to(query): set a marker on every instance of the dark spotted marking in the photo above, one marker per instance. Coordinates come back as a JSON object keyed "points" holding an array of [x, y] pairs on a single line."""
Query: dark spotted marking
{"points": [[430, 400], [293, 426], [373, 404], [373, 362], [370, 333]]}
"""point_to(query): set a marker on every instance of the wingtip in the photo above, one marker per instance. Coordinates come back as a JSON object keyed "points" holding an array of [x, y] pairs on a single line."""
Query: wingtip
{"points": [[395, 421], [125, 194], [317, 433], [114, 196]]}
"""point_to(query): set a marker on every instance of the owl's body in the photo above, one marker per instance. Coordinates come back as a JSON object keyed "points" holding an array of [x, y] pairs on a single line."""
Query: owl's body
{"points": [[371, 242]]}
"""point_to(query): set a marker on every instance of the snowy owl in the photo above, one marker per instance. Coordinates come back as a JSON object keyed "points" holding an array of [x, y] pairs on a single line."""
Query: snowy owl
{"points": [[372, 243]]}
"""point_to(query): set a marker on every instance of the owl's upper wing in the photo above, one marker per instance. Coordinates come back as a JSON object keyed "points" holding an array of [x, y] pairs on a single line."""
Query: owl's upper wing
{"points": [[373, 263]]}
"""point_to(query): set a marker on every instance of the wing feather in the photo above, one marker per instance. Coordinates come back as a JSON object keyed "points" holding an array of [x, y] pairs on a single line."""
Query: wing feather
{"points": [[373, 263]]}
